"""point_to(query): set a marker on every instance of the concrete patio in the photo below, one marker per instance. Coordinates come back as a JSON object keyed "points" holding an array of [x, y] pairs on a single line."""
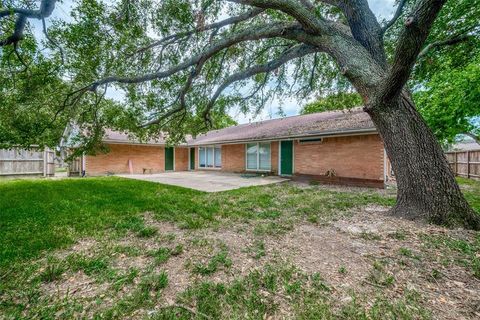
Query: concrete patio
{"points": [[208, 181]]}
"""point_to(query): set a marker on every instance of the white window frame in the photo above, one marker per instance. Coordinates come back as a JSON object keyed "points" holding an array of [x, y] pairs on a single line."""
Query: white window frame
{"points": [[258, 157], [206, 167]]}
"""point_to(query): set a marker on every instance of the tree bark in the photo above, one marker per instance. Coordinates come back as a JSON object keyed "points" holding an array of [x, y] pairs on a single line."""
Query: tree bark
{"points": [[426, 185]]}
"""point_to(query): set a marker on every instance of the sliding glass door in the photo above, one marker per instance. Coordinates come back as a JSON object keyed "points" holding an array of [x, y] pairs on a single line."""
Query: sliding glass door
{"points": [[210, 157], [259, 157]]}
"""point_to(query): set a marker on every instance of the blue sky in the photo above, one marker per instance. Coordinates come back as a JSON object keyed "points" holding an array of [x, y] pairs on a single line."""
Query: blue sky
{"points": [[291, 106]]}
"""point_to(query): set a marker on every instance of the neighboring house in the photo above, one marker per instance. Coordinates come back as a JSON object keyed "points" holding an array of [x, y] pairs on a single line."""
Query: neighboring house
{"points": [[335, 146], [464, 146]]}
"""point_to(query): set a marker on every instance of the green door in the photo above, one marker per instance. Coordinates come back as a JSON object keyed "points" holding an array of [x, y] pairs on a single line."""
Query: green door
{"points": [[168, 158], [192, 158], [286, 158]]}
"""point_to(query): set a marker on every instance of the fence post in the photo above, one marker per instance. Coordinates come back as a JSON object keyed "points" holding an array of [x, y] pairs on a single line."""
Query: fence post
{"points": [[45, 162], [468, 164], [456, 163]]}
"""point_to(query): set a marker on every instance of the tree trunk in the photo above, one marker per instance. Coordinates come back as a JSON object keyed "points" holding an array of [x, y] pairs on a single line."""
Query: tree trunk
{"points": [[426, 185]]}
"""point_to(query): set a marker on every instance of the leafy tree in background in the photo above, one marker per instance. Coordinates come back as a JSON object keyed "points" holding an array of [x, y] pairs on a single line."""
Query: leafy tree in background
{"points": [[450, 102], [336, 101], [446, 79], [180, 62]]}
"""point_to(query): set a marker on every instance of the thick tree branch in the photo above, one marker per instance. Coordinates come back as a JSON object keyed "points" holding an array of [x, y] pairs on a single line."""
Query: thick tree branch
{"points": [[214, 26], [181, 96], [253, 33], [292, 53], [302, 14], [447, 42], [364, 27], [356, 59], [395, 17], [46, 9], [410, 43]]}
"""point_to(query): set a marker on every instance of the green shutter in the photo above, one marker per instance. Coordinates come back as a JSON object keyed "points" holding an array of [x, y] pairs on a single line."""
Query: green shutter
{"points": [[286, 157], [192, 158], [168, 158]]}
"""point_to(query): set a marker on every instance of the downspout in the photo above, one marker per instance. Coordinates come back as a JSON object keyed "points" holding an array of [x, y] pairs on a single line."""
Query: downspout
{"points": [[84, 165]]}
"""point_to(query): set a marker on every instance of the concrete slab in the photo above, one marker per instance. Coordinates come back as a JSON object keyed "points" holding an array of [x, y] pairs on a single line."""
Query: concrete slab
{"points": [[208, 181]]}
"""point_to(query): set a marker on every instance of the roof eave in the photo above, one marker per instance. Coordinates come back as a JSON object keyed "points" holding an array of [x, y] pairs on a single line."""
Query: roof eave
{"points": [[324, 134], [108, 141]]}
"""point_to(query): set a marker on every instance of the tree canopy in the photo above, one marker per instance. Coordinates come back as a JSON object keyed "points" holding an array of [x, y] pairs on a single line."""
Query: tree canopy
{"points": [[335, 101], [225, 56], [450, 102], [179, 64], [445, 81]]}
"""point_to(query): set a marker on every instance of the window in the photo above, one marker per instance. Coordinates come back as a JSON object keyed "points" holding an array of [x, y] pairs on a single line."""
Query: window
{"points": [[258, 156], [218, 157], [210, 157], [201, 155]]}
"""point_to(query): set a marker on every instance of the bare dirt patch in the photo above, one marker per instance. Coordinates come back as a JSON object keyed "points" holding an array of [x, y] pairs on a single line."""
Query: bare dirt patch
{"points": [[76, 285], [369, 252]]}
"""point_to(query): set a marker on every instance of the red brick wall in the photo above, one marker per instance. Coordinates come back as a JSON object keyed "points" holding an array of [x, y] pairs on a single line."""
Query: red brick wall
{"points": [[116, 160], [274, 156], [233, 157], [353, 157], [181, 159]]}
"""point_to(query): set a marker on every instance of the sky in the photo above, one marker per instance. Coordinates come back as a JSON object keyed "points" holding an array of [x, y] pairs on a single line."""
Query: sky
{"points": [[383, 9]]}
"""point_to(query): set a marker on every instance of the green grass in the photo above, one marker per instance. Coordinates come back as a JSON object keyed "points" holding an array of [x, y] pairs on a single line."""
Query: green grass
{"points": [[263, 292], [39, 215], [460, 251], [40, 218], [471, 190], [220, 259]]}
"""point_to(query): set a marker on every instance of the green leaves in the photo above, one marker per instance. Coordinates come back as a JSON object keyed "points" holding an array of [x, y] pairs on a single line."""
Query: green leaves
{"points": [[449, 101], [341, 100]]}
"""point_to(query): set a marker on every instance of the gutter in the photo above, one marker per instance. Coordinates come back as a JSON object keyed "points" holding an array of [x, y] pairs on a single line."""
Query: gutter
{"points": [[323, 134], [292, 137]]}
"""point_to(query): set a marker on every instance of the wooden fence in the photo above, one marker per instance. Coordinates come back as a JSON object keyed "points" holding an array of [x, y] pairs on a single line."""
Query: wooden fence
{"points": [[23, 162], [75, 167], [465, 163]]}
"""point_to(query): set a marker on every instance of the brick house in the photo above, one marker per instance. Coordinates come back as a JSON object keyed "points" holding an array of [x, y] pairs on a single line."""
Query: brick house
{"points": [[334, 147]]}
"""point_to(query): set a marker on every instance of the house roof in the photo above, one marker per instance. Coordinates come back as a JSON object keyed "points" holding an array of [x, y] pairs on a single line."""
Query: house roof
{"points": [[464, 146], [341, 122], [112, 136], [316, 124]]}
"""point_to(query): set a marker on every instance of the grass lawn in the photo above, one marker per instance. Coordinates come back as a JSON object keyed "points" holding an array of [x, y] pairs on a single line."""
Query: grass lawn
{"points": [[119, 248]]}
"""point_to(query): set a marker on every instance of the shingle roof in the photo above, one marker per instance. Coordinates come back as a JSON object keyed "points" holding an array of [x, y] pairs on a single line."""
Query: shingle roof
{"points": [[465, 146], [113, 136], [315, 124]]}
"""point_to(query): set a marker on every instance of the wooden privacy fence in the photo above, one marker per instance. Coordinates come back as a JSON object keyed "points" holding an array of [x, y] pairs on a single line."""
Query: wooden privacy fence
{"points": [[75, 167], [465, 163], [23, 162]]}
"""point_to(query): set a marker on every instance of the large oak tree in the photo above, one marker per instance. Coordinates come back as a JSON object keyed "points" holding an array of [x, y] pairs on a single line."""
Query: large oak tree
{"points": [[181, 63]]}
